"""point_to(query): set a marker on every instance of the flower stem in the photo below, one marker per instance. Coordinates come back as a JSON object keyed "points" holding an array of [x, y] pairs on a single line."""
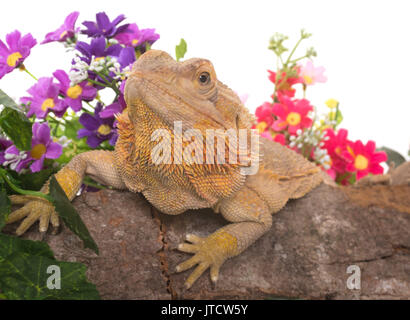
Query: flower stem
{"points": [[293, 50], [25, 192], [97, 83], [108, 83], [54, 119], [95, 185], [23, 67]]}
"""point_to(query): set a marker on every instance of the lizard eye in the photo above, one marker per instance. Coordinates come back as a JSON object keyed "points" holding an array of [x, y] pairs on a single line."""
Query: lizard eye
{"points": [[204, 78]]}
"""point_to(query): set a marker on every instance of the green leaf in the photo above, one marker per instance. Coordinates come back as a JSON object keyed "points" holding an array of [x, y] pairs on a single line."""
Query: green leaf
{"points": [[25, 276], [5, 207], [180, 49], [338, 117], [69, 215], [23, 269], [32, 181], [71, 128], [8, 102], [393, 156], [16, 125], [11, 244]]}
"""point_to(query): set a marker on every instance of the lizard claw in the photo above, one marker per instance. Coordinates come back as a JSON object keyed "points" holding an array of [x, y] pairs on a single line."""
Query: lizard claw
{"points": [[210, 252], [34, 209]]}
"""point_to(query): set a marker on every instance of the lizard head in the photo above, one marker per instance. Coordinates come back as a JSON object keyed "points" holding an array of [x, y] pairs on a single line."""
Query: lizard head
{"points": [[187, 91]]}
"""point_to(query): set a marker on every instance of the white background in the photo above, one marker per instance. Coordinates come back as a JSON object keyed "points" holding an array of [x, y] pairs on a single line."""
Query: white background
{"points": [[364, 46]]}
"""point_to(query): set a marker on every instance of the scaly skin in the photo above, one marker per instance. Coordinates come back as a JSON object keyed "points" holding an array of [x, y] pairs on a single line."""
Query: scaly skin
{"points": [[158, 92]]}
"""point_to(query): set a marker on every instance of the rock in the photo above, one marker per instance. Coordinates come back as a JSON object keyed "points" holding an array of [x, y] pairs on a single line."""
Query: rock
{"points": [[305, 255]]}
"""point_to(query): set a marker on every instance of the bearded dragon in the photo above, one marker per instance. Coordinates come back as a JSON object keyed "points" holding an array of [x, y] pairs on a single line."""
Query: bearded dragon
{"points": [[160, 92]]}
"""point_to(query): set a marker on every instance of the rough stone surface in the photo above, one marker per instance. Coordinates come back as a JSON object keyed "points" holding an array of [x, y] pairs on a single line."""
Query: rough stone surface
{"points": [[306, 254]]}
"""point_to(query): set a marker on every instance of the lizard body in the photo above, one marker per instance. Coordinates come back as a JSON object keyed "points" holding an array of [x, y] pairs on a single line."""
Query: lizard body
{"points": [[158, 92]]}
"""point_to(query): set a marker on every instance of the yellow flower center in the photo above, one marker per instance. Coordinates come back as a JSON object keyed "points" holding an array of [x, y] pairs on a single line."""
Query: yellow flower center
{"points": [[13, 58], [134, 42], [104, 129], [98, 58], [361, 162], [63, 34], [74, 92], [38, 151], [293, 118], [261, 126], [332, 103], [48, 103], [338, 150], [308, 80]]}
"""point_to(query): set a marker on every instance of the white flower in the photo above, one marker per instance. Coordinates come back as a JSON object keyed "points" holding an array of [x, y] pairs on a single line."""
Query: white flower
{"points": [[14, 159], [64, 141], [112, 41]]}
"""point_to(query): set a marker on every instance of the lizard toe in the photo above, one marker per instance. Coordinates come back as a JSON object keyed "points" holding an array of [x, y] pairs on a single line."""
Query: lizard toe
{"points": [[199, 270]]}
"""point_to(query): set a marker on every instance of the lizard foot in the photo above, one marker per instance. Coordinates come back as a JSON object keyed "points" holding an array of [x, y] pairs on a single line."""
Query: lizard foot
{"points": [[210, 252], [34, 209]]}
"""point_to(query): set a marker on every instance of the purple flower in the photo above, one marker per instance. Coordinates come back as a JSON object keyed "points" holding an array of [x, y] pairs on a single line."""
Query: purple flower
{"points": [[13, 56], [98, 49], [126, 57], [97, 129], [18, 160], [122, 87], [74, 95], [44, 98], [4, 144], [134, 37], [42, 146], [66, 31], [112, 110], [103, 26]]}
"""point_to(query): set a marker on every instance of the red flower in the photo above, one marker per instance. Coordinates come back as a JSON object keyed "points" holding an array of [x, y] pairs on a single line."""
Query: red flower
{"points": [[264, 116], [264, 113], [279, 138], [364, 159], [285, 83], [291, 114], [336, 147]]}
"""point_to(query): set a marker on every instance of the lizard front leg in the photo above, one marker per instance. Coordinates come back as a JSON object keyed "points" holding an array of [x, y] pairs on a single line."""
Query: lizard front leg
{"points": [[251, 219], [97, 164]]}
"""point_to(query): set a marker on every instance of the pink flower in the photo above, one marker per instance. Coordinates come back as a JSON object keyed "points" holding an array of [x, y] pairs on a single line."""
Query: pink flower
{"points": [[292, 115], [135, 37], [267, 135], [74, 94], [44, 98], [310, 74], [278, 137], [19, 49], [42, 146], [64, 32], [244, 97]]}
